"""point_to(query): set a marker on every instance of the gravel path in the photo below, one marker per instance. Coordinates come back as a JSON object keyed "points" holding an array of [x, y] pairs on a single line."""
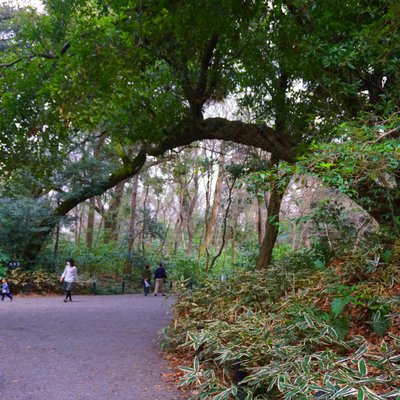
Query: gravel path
{"points": [[95, 348]]}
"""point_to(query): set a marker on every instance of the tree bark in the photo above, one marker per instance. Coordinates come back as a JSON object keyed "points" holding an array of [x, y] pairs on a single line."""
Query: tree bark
{"points": [[260, 222], [144, 226], [192, 205], [111, 216], [90, 223], [276, 194], [92, 200], [132, 219], [216, 203], [224, 226], [271, 228]]}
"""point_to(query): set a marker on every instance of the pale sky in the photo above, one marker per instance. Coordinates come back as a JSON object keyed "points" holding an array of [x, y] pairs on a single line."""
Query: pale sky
{"points": [[34, 3]]}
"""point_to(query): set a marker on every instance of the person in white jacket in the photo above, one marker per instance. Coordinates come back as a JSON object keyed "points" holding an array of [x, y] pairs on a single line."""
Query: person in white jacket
{"points": [[69, 276]]}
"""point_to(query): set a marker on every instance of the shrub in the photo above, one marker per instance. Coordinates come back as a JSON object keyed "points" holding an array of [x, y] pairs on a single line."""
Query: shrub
{"points": [[294, 331]]}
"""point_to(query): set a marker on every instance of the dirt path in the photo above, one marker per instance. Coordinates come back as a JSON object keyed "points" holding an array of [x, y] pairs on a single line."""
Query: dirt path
{"points": [[95, 348]]}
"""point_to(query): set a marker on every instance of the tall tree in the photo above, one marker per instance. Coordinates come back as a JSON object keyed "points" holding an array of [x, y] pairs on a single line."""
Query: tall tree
{"points": [[147, 74]]}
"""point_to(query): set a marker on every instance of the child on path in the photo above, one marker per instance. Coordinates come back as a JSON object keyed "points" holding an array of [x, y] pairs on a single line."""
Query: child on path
{"points": [[146, 279], [69, 276], [5, 290]]}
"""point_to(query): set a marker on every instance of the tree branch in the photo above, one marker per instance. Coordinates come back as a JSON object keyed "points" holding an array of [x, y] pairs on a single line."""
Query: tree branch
{"points": [[265, 138], [279, 145], [98, 188], [391, 134], [10, 64], [49, 56], [204, 66]]}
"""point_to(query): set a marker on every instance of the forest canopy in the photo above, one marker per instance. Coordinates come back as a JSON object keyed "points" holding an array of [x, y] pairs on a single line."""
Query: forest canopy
{"points": [[94, 90]]}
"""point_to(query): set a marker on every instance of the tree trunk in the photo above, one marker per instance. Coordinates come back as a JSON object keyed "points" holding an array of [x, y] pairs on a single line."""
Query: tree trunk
{"points": [[224, 227], [111, 216], [80, 227], [90, 223], [211, 221], [260, 222], [57, 240], [192, 205], [162, 242], [92, 200], [271, 228], [144, 226], [132, 219], [179, 224]]}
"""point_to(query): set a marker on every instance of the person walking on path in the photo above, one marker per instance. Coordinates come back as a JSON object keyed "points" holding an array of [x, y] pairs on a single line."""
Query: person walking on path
{"points": [[146, 279], [69, 277], [5, 290], [160, 276]]}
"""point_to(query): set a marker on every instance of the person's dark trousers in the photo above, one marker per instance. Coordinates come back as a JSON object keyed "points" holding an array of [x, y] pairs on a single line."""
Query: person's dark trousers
{"points": [[146, 289], [68, 295], [8, 295]]}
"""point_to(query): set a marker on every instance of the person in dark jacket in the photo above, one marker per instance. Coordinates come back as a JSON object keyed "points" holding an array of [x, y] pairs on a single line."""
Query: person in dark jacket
{"points": [[160, 277]]}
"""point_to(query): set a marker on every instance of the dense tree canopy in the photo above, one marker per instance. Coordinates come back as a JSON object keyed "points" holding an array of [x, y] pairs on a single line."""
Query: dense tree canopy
{"points": [[143, 73]]}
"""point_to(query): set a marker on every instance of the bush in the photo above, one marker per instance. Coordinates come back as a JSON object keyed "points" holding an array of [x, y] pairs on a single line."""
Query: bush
{"points": [[294, 331]]}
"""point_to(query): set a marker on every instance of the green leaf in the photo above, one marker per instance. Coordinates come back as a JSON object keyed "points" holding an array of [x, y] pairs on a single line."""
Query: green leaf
{"points": [[362, 367], [338, 304], [361, 350], [380, 322], [196, 364]]}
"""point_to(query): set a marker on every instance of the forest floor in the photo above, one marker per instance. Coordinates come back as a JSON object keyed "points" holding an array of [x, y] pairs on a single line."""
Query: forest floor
{"points": [[97, 347]]}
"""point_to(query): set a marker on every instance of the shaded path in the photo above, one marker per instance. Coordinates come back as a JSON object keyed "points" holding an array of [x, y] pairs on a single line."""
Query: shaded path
{"points": [[98, 347]]}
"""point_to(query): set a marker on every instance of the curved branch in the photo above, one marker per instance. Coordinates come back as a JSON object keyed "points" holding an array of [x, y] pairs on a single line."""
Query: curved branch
{"points": [[125, 172], [280, 145], [10, 64]]}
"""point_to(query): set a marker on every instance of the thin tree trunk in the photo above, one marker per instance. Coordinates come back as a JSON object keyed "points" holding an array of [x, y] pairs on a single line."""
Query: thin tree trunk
{"points": [[162, 243], [92, 200], [192, 206], [230, 189], [90, 223], [206, 212], [212, 221], [111, 216], [57, 241], [271, 228], [171, 242], [143, 236], [132, 219], [80, 227], [99, 230], [260, 222], [179, 225], [76, 217], [233, 244]]}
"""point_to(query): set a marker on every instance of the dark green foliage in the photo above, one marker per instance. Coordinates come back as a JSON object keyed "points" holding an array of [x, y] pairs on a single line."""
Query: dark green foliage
{"points": [[24, 223]]}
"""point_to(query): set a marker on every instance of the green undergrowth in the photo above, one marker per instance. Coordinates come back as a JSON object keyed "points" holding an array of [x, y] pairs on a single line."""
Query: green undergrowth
{"points": [[292, 334]]}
